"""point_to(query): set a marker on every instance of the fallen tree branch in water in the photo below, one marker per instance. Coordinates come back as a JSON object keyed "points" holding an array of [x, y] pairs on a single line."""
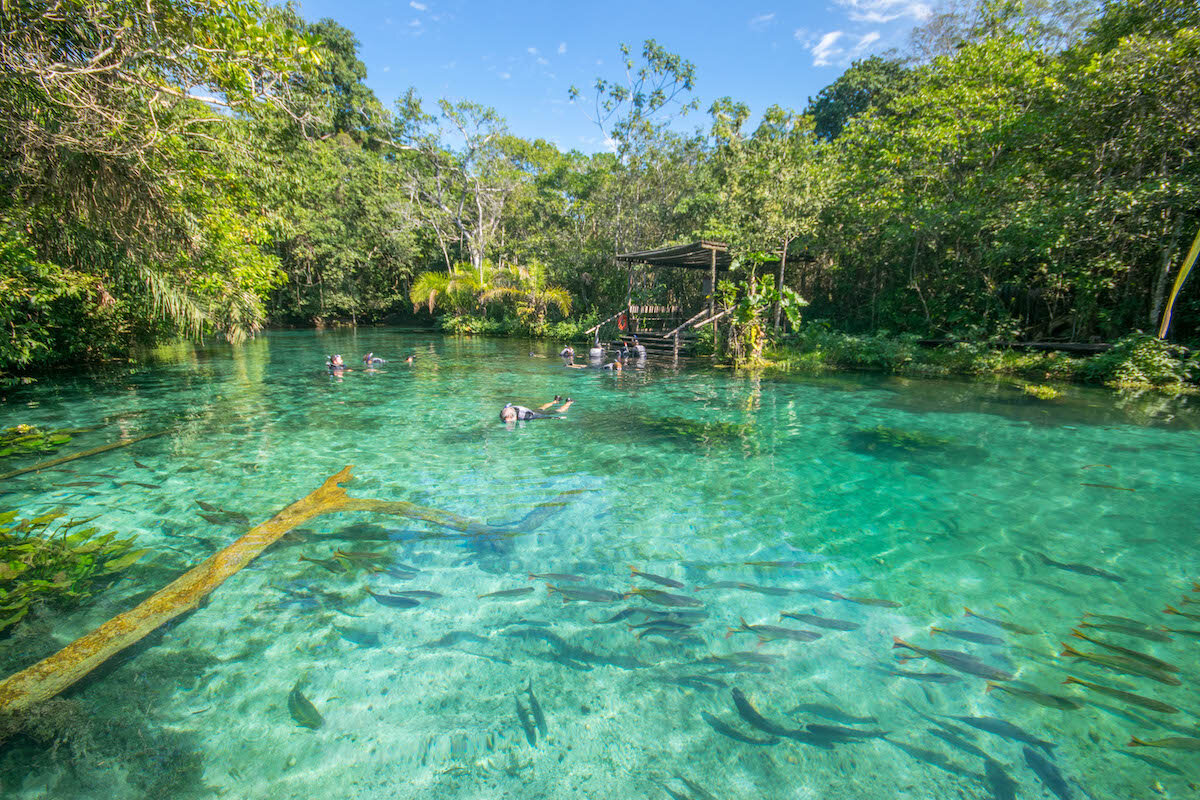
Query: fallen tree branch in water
{"points": [[104, 448], [54, 674]]}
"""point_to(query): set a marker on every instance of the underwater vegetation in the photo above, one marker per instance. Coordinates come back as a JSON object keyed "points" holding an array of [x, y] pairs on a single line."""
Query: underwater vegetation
{"points": [[898, 443], [61, 565], [26, 439]]}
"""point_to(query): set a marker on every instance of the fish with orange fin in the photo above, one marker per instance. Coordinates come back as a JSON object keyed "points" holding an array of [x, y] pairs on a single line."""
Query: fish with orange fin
{"points": [[1123, 664], [963, 662], [1177, 612], [1126, 697], [1157, 663], [1170, 743], [1046, 699]]}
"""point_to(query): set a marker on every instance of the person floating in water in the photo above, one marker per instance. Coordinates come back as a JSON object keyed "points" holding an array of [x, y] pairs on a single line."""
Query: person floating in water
{"points": [[557, 399], [511, 413], [639, 349], [335, 363], [616, 364], [372, 360], [411, 359], [597, 352], [568, 355]]}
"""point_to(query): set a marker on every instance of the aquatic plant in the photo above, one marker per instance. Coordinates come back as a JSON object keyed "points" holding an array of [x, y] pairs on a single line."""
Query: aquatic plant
{"points": [[1040, 391], [885, 438], [55, 565], [26, 439]]}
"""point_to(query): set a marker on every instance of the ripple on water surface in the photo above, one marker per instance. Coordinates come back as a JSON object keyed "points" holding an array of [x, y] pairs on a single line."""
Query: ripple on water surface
{"points": [[868, 508]]}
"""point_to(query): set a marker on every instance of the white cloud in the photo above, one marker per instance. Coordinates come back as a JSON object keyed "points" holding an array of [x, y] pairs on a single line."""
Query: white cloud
{"points": [[761, 21], [544, 62], [387, 69], [416, 23], [866, 42], [826, 50], [533, 51], [879, 11], [562, 48], [505, 76], [610, 144], [805, 37], [418, 6]]}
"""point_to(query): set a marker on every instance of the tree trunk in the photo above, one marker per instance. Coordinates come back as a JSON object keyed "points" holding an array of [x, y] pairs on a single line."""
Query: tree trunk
{"points": [[1164, 274], [779, 284]]}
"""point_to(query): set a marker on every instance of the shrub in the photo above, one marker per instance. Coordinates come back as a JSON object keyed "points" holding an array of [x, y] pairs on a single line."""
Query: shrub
{"points": [[1142, 360]]}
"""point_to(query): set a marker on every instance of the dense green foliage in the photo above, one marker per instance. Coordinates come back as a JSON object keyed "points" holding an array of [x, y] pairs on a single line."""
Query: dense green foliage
{"points": [[1028, 173]]}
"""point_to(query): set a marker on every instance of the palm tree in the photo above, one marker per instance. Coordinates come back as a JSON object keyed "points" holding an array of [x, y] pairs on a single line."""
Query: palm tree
{"points": [[526, 287]]}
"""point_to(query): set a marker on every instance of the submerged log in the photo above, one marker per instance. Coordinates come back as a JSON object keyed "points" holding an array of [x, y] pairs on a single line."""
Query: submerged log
{"points": [[56, 673], [104, 448]]}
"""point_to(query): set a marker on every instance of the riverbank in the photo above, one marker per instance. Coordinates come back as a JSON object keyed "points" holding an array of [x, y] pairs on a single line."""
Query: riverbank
{"points": [[1137, 361]]}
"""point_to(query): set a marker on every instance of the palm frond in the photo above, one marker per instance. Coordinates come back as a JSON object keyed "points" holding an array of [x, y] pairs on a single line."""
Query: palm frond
{"points": [[173, 302]]}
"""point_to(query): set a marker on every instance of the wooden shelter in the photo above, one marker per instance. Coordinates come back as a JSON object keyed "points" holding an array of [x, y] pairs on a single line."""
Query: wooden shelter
{"points": [[650, 323]]}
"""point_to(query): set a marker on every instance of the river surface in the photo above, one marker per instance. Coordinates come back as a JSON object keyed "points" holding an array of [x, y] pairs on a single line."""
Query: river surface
{"points": [[873, 508]]}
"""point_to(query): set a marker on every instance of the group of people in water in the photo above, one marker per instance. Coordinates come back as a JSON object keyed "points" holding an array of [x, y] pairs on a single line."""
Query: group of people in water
{"points": [[596, 355], [337, 365]]}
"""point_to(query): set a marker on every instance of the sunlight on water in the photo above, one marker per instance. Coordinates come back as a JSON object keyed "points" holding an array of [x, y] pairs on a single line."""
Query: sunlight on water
{"points": [[868, 508]]}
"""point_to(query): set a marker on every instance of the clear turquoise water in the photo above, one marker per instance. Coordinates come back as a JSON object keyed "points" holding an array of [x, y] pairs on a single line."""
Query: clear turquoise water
{"points": [[688, 473]]}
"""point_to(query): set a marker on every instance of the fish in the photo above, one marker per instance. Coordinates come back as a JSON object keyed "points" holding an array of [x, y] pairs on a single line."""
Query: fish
{"points": [[833, 714], [556, 576], [331, 564], [870, 601], [1108, 486], [587, 594], [358, 637], [747, 712], [1054, 701], [139, 483], [821, 593], [420, 594], [1049, 773], [524, 590], [822, 622], [1157, 763], [1123, 664], [725, 730], [213, 518], [393, 601], [662, 623], [774, 591], [1127, 697], [968, 636], [1012, 627], [1170, 743], [536, 708], [935, 759], [963, 662], [526, 722], [956, 742], [770, 633], [1081, 569], [1006, 730], [741, 657], [1137, 623], [665, 598], [1184, 632], [623, 614], [1157, 663], [659, 579], [1003, 787], [208, 507], [302, 709], [1177, 612], [74, 484], [780, 564], [930, 677], [139, 464], [837, 733], [1141, 633], [674, 794], [455, 637]]}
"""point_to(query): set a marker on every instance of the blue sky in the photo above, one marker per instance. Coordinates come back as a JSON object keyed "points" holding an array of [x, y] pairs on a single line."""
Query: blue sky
{"points": [[521, 57]]}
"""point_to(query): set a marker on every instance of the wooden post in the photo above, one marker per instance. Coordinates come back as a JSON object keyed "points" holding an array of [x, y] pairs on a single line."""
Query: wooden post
{"points": [[676, 357], [712, 292]]}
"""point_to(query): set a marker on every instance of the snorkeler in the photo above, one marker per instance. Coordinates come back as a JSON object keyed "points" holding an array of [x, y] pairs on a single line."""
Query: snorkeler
{"points": [[335, 362], [370, 359], [597, 352], [511, 413], [411, 359], [557, 399], [616, 364], [568, 355], [639, 349]]}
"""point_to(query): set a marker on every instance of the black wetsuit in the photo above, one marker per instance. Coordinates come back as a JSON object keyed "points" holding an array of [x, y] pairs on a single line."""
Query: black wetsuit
{"points": [[524, 414]]}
